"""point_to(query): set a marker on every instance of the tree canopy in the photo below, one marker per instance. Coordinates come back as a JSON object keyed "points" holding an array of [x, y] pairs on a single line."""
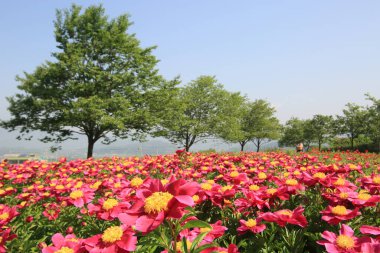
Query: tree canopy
{"points": [[101, 83], [254, 121], [196, 111]]}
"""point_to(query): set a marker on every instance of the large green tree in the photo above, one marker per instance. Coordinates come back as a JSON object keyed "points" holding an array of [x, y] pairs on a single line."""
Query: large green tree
{"points": [[321, 128], [196, 110], [101, 83], [373, 121], [253, 121], [296, 131], [352, 123]]}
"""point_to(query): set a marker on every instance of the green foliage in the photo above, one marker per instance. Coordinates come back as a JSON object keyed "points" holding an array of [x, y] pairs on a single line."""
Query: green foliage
{"points": [[195, 110], [294, 133], [320, 128], [373, 121], [253, 121], [352, 123], [102, 83]]}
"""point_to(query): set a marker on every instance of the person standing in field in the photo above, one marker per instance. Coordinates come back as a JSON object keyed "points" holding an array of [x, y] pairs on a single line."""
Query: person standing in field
{"points": [[299, 147]]}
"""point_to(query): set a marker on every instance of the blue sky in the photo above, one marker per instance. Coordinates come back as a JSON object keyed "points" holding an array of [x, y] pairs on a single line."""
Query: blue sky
{"points": [[305, 57]]}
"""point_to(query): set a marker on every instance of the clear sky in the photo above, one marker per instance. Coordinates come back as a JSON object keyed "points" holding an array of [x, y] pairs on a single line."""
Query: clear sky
{"points": [[305, 57]]}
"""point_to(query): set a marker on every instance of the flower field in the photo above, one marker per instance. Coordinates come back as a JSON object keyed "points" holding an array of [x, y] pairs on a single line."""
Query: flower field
{"points": [[193, 202]]}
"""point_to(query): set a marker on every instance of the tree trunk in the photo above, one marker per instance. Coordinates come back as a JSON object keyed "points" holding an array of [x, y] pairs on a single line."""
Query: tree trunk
{"points": [[242, 144], [187, 148], [257, 144], [352, 143], [90, 148], [319, 145]]}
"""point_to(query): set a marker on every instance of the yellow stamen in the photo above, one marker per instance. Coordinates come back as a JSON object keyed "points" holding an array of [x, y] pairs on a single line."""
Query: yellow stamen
{"points": [[112, 234], [291, 182], [76, 194], [364, 196], [157, 202], [206, 186], [319, 175], [262, 175], [251, 223], [136, 182], [4, 216], [339, 210], [345, 242], [109, 204], [271, 191], [64, 250], [234, 174]]}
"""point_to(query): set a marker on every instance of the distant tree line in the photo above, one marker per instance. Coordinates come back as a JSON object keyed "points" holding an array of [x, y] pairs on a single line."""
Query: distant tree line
{"points": [[102, 84], [357, 127]]}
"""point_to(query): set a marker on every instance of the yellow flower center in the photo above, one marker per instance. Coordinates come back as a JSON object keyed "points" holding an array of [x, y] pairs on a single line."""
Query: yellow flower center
{"points": [[64, 250], [271, 191], [254, 187], [262, 175], [4, 216], [204, 230], [112, 234], [345, 242], [234, 174], [196, 198], [285, 212], [206, 186], [211, 181], [76, 194], [319, 175], [251, 223], [340, 182], [157, 202], [226, 188], [291, 182], [78, 185], [376, 180], [339, 210], [60, 187], [364, 196], [343, 195], [95, 185], [136, 182], [109, 204], [164, 181]]}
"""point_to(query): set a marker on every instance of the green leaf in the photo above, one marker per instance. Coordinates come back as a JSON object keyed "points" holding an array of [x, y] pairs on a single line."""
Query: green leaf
{"points": [[196, 224]]}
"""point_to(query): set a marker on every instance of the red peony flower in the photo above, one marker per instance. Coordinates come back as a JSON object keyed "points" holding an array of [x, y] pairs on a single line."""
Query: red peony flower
{"points": [[5, 236], [67, 244], [108, 209], [116, 239], [250, 225], [282, 217], [7, 214], [344, 242], [157, 202], [334, 215], [79, 197]]}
